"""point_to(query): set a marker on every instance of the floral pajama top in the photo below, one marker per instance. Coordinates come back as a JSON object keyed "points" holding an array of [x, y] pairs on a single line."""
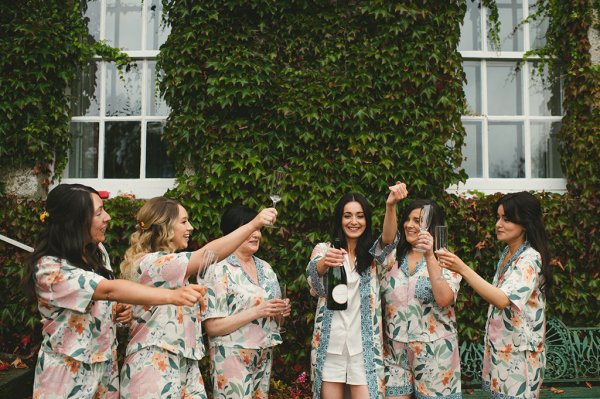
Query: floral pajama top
{"points": [[73, 324], [411, 313], [522, 325], [231, 292], [370, 315], [176, 329]]}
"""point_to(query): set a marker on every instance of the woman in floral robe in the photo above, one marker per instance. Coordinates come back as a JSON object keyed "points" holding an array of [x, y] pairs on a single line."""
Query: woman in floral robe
{"points": [[421, 353], [70, 274], [346, 345], [244, 302], [166, 341], [514, 357]]}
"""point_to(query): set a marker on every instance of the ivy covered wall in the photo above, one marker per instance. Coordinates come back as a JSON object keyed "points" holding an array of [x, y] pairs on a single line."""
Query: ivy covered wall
{"points": [[343, 95]]}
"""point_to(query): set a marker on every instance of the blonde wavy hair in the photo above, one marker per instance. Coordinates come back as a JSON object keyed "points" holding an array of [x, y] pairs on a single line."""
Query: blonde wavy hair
{"points": [[155, 221]]}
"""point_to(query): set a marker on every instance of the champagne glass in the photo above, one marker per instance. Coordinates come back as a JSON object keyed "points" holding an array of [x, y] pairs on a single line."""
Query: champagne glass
{"points": [[279, 319], [441, 242], [276, 189], [209, 258], [424, 222]]}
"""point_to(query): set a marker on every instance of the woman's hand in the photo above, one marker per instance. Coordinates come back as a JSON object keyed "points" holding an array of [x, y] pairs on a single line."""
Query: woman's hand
{"points": [[425, 242], [273, 307], [450, 261], [122, 313], [266, 217], [334, 257], [188, 295], [397, 193]]}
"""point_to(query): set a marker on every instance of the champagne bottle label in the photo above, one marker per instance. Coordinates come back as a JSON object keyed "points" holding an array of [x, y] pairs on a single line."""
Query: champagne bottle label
{"points": [[340, 293]]}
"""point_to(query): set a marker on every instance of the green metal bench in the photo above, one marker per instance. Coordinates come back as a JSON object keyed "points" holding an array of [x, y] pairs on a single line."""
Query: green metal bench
{"points": [[572, 357]]}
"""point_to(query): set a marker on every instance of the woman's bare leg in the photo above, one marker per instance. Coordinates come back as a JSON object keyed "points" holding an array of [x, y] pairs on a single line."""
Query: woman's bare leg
{"points": [[333, 390]]}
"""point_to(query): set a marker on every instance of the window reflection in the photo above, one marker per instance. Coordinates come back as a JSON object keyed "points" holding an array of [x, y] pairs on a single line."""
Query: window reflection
{"points": [[92, 15], [124, 24], [537, 29], [83, 155], [122, 150], [473, 149], [545, 161], [123, 96], [472, 87], [156, 32], [470, 30], [504, 91], [506, 151], [545, 94], [158, 163], [85, 91], [510, 13], [156, 104]]}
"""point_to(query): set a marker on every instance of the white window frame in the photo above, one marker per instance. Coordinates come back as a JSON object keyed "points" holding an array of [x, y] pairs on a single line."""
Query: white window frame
{"points": [[486, 184], [141, 187]]}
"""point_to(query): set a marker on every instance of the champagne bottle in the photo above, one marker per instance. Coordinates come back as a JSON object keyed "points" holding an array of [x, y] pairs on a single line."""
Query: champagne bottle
{"points": [[337, 285]]}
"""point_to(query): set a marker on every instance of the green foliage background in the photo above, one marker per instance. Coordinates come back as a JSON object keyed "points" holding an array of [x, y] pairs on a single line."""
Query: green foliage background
{"points": [[343, 95]]}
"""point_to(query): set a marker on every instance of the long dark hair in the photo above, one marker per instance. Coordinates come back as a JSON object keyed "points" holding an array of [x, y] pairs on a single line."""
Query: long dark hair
{"points": [[66, 232], [437, 219], [524, 209], [365, 241]]}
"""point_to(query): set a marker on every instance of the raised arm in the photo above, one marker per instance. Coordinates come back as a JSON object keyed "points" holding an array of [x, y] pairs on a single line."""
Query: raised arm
{"points": [[390, 222], [225, 245]]}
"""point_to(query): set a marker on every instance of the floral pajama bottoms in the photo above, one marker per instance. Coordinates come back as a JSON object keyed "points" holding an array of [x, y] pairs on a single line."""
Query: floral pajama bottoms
{"points": [[58, 377], [430, 368], [240, 373], [511, 375], [153, 373]]}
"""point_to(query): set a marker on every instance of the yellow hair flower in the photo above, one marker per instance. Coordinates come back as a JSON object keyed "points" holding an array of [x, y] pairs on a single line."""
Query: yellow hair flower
{"points": [[43, 216]]}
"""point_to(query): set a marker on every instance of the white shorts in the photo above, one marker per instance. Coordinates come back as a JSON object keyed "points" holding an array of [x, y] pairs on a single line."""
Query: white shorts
{"points": [[345, 368]]}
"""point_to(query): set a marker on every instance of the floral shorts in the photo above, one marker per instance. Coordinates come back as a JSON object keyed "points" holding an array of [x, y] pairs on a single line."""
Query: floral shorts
{"points": [[429, 369], [240, 373], [508, 375], [153, 373], [58, 376]]}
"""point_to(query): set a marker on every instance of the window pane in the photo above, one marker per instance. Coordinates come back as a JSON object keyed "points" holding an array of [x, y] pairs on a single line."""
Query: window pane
{"points": [[510, 14], [473, 150], [156, 103], [158, 163], [156, 33], [472, 87], [92, 13], [123, 97], [124, 24], [537, 28], [85, 92], [122, 150], [545, 161], [545, 96], [470, 31], [506, 152], [83, 156], [504, 91]]}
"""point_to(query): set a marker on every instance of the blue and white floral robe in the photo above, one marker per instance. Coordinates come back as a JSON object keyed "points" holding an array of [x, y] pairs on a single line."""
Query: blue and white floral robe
{"points": [[371, 326]]}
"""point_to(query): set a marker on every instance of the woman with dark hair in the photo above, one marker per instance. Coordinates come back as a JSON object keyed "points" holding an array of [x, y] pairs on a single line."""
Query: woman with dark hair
{"points": [[420, 339], [346, 344], [166, 341], [514, 358], [70, 274], [244, 302]]}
